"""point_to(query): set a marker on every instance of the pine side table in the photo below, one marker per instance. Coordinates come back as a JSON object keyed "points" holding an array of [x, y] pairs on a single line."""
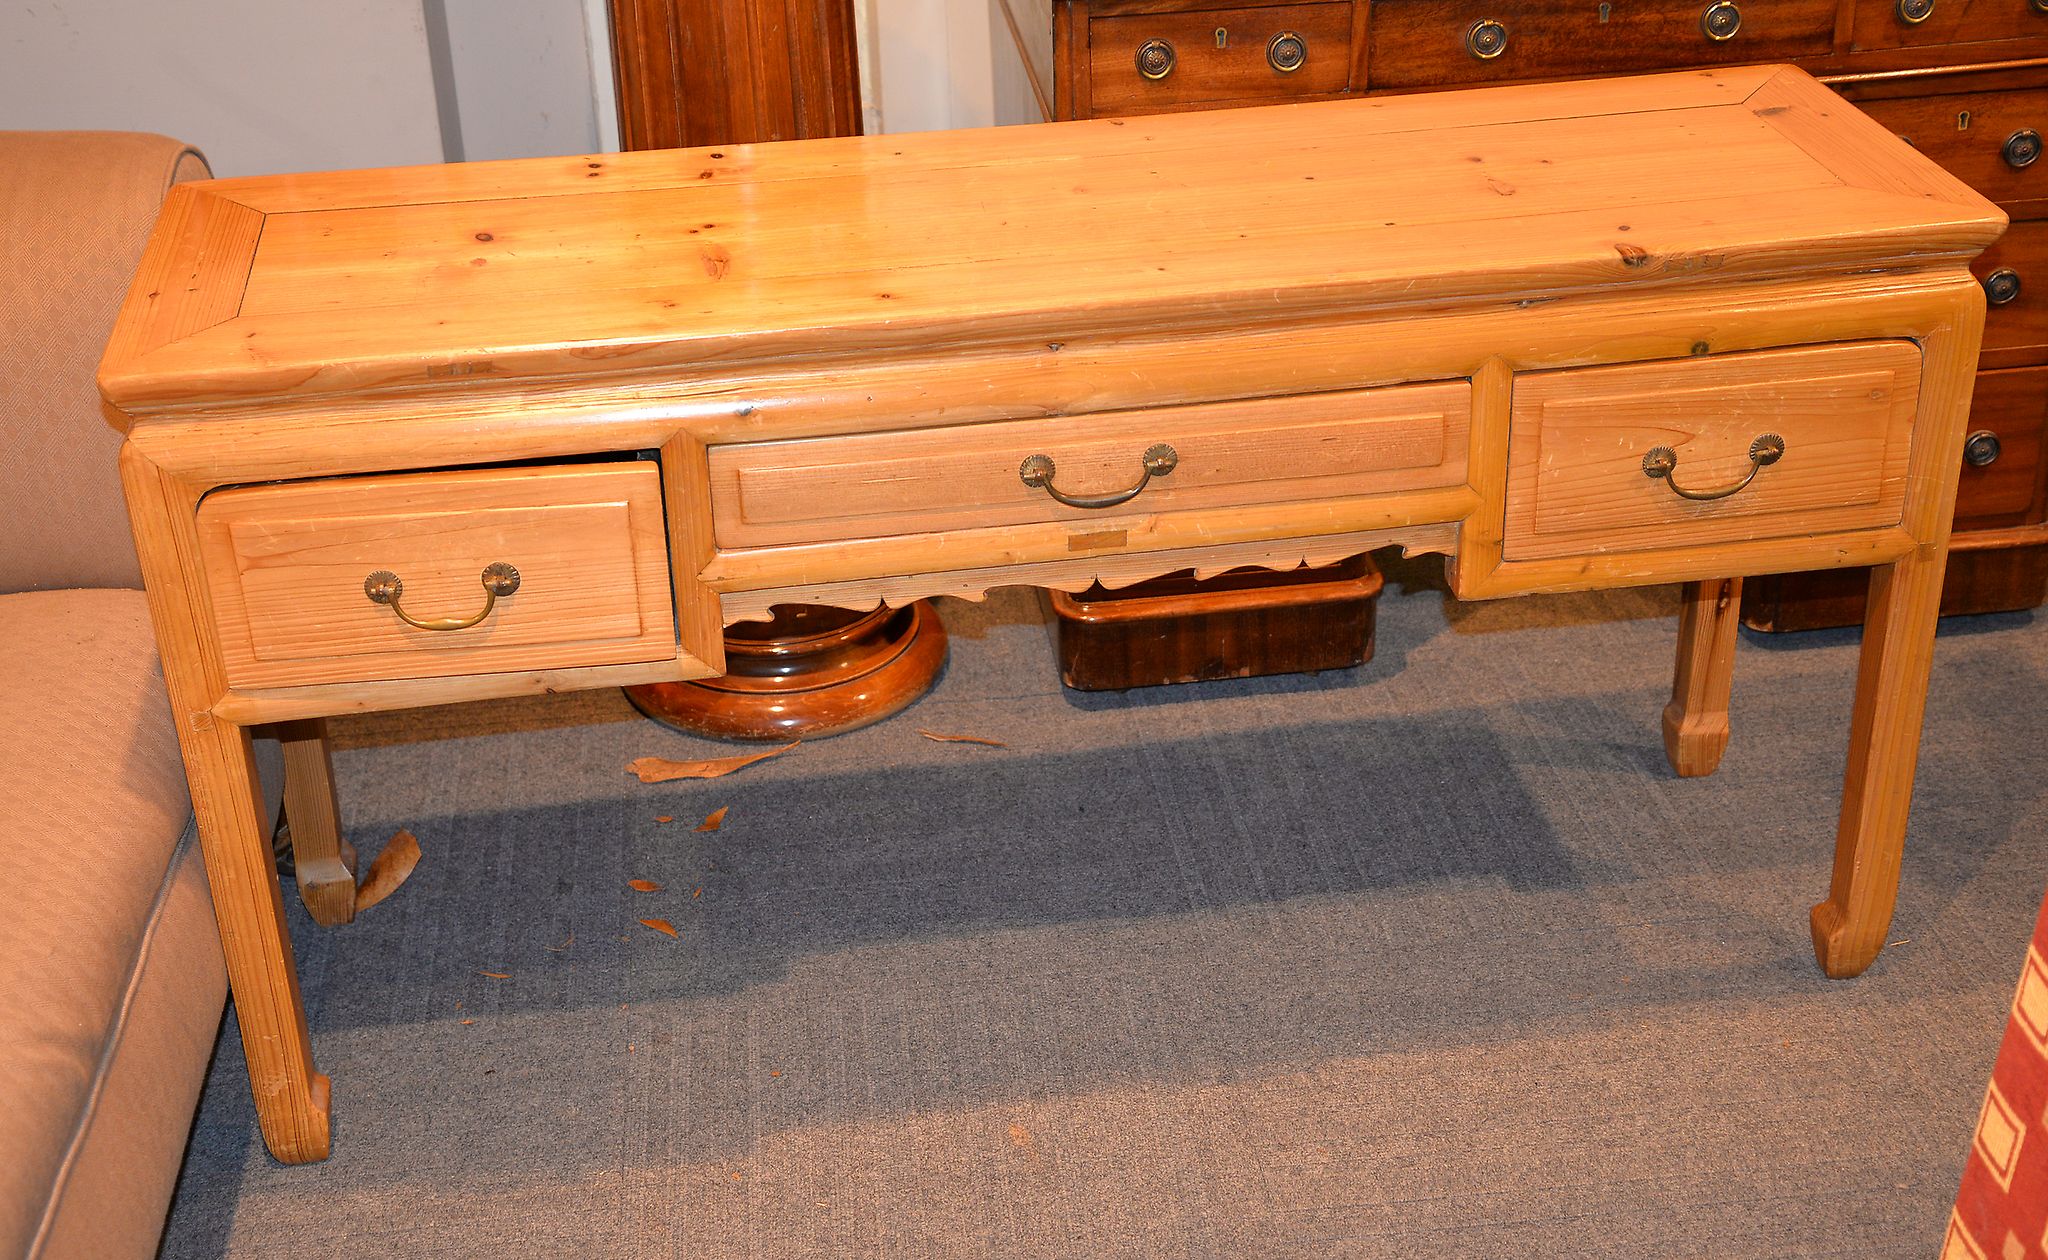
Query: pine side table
{"points": [[404, 437]]}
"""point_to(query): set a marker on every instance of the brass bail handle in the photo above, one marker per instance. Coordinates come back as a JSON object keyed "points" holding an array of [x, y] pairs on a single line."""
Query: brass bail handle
{"points": [[1037, 472], [385, 587], [1662, 462]]}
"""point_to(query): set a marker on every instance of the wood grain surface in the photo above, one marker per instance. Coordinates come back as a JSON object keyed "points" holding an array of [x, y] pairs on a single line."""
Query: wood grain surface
{"points": [[1575, 459], [1219, 55], [1231, 455], [726, 71], [1421, 43], [856, 246], [286, 567]]}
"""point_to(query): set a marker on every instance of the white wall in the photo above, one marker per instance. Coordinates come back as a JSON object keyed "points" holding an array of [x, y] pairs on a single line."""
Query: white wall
{"points": [[260, 85], [932, 61], [268, 86], [525, 81]]}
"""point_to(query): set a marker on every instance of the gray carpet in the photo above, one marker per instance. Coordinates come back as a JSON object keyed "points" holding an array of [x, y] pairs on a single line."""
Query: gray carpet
{"points": [[1430, 958]]}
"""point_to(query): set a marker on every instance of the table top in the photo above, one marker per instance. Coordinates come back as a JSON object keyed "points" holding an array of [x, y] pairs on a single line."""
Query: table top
{"points": [[705, 260]]}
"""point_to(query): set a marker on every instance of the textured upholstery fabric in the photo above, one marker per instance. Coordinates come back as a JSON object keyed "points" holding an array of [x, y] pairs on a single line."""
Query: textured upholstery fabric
{"points": [[2002, 1206], [111, 980], [109, 1199], [75, 209]]}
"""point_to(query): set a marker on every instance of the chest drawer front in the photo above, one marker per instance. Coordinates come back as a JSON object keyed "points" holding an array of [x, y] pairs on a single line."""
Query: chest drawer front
{"points": [[1992, 141], [1928, 23], [2014, 273], [1272, 450], [1579, 440], [287, 567], [1432, 43], [2002, 479], [1214, 55]]}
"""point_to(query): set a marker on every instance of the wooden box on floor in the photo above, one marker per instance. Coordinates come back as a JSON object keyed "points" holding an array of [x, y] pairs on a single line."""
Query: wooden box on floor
{"points": [[1247, 623]]}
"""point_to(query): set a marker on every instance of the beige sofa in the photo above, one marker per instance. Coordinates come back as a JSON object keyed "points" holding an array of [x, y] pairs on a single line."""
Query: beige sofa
{"points": [[111, 983]]}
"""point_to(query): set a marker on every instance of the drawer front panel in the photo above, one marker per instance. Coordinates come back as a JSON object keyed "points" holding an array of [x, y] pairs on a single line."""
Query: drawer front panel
{"points": [[1883, 24], [1579, 438], [2011, 406], [1992, 141], [1273, 450], [286, 566], [1237, 66], [1432, 43], [2015, 276]]}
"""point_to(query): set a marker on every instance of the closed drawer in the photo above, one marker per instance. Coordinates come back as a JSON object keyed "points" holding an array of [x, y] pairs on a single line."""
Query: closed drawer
{"points": [[2015, 276], [1924, 23], [1430, 43], [1992, 141], [1217, 55], [286, 566], [2003, 484], [1226, 455], [1579, 439]]}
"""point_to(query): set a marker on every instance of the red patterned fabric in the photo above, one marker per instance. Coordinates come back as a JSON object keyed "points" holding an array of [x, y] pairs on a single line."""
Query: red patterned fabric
{"points": [[2001, 1211]]}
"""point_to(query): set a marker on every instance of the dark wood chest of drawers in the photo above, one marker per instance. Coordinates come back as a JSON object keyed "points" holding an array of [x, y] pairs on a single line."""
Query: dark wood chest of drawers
{"points": [[1965, 81]]}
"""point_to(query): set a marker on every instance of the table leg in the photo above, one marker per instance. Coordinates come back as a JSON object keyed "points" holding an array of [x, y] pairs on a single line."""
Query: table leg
{"points": [[325, 862], [234, 829], [234, 836], [1884, 743], [1696, 720]]}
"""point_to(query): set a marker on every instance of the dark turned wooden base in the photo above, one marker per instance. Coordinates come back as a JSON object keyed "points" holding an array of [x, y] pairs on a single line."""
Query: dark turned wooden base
{"points": [[2004, 579], [1244, 624], [807, 673]]}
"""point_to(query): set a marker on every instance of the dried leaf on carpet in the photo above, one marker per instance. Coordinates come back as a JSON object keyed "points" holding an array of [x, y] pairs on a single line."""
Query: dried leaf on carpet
{"points": [[391, 869], [661, 769], [940, 738]]}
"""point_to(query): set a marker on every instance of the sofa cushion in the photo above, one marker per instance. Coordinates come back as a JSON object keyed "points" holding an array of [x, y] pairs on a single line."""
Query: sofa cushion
{"points": [[75, 209], [92, 808]]}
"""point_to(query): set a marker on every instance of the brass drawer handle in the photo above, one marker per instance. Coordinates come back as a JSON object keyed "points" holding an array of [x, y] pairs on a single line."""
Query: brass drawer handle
{"points": [[1486, 39], [384, 587], [2022, 148], [1662, 462], [1155, 59], [1036, 471], [2002, 287], [1981, 449], [1287, 52], [1914, 12], [1721, 20]]}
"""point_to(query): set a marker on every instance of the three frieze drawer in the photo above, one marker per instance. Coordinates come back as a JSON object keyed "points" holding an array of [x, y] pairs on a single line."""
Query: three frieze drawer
{"points": [[1681, 453], [410, 575], [1209, 456]]}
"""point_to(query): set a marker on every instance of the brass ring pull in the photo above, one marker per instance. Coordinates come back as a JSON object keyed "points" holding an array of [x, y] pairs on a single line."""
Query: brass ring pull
{"points": [[1155, 59], [384, 587], [1036, 471], [1662, 462], [1286, 52], [1982, 449], [2021, 149], [1487, 39]]}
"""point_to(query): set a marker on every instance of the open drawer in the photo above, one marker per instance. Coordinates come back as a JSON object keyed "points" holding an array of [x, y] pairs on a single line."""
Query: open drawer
{"points": [[411, 575]]}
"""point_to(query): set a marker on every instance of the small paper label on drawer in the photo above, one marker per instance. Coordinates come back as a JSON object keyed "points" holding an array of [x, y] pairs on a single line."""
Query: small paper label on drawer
{"points": [[1098, 540]]}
